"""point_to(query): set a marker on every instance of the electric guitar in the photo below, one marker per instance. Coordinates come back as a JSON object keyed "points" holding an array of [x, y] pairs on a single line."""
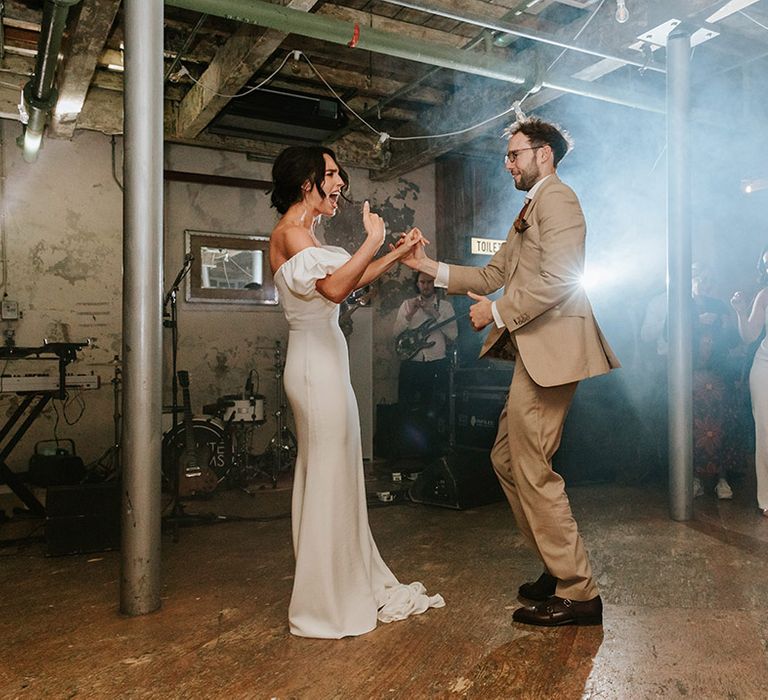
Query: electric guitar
{"points": [[360, 297], [411, 340], [194, 474]]}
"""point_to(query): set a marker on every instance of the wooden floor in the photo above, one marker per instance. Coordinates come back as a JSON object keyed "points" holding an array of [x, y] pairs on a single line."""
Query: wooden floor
{"points": [[686, 610]]}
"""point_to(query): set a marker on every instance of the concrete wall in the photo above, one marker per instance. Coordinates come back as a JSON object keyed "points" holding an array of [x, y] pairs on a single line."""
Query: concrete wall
{"points": [[62, 228]]}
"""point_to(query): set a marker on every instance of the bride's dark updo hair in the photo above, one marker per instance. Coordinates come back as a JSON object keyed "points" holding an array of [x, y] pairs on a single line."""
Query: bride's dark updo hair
{"points": [[295, 166]]}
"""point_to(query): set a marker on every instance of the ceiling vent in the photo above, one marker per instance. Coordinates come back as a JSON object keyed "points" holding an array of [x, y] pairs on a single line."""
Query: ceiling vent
{"points": [[281, 116]]}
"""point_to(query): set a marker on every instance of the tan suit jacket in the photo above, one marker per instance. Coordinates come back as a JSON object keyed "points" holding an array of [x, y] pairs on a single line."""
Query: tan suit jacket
{"points": [[544, 305]]}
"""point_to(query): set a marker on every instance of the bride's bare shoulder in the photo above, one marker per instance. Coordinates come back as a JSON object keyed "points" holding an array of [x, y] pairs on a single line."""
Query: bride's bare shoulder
{"points": [[285, 241]]}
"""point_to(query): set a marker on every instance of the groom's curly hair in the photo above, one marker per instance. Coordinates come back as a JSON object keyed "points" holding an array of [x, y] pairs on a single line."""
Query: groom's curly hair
{"points": [[294, 167], [540, 132]]}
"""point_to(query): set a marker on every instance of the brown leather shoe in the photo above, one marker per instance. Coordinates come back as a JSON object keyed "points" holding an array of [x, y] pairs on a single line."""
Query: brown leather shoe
{"points": [[562, 611], [540, 589]]}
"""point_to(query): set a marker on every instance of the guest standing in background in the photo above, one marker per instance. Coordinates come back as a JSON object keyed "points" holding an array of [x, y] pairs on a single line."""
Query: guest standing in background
{"points": [[751, 325]]}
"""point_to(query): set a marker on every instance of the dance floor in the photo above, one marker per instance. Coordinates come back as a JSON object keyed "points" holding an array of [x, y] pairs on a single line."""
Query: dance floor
{"points": [[686, 608]]}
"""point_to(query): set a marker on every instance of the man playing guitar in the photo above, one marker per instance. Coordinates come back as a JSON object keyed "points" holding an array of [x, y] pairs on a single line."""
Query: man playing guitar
{"points": [[421, 344]]}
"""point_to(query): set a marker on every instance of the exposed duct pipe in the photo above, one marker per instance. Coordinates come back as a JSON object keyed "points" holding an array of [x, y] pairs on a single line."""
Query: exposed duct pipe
{"points": [[39, 94], [353, 34]]}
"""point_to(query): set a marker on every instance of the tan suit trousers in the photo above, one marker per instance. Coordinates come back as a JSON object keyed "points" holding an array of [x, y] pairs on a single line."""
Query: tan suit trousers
{"points": [[530, 428]]}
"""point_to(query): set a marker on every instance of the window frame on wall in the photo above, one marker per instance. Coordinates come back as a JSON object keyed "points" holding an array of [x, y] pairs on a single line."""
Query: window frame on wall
{"points": [[195, 241]]}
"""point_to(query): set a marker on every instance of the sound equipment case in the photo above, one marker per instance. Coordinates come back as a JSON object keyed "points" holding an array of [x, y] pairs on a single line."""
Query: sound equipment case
{"points": [[82, 518]]}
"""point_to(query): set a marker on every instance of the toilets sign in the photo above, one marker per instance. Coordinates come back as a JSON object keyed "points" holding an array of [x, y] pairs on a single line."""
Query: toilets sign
{"points": [[485, 246]]}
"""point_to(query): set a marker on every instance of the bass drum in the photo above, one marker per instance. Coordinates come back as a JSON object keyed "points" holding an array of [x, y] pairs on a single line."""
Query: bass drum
{"points": [[209, 433]]}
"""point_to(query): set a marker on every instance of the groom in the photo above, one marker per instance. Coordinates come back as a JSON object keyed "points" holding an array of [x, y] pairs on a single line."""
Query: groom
{"points": [[545, 320]]}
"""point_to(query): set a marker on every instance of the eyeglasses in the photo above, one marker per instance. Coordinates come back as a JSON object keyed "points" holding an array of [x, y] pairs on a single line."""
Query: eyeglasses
{"points": [[511, 156]]}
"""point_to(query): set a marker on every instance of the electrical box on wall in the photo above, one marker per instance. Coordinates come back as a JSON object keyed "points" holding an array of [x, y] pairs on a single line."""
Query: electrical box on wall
{"points": [[9, 310]]}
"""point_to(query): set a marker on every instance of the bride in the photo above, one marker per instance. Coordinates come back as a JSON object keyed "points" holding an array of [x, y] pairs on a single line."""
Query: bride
{"points": [[341, 585]]}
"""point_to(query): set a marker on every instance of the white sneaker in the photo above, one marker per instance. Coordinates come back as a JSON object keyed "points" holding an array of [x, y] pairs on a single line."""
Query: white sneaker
{"points": [[723, 490], [698, 489]]}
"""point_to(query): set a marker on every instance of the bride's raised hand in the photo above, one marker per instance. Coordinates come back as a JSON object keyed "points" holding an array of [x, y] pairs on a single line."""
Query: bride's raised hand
{"points": [[375, 228], [408, 241]]}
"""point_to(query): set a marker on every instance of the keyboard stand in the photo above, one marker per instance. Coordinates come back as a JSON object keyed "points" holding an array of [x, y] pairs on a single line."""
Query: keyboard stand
{"points": [[65, 353], [9, 477]]}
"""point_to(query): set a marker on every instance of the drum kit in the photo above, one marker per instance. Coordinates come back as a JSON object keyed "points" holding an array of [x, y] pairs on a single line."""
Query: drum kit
{"points": [[223, 435]]}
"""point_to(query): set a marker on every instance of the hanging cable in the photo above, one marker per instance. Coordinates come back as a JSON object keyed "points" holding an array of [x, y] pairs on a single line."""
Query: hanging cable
{"points": [[519, 114], [184, 71], [383, 136], [578, 34], [114, 165]]}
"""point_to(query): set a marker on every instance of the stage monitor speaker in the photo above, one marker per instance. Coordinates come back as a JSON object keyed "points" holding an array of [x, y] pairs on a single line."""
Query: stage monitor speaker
{"points": [[463, 478], [82, 518]]}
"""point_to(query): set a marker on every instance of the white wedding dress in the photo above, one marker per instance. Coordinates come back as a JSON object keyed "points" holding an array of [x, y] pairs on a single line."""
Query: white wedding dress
{"points": [[342, 585]]}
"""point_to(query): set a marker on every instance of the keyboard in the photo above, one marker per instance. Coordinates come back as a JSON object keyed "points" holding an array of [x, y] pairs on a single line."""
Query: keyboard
{"points": [[12, 383]]}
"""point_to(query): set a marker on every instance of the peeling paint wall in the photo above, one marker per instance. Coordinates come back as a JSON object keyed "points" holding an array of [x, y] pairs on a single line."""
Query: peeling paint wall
{"points": [[62, 220], [61, 224]]}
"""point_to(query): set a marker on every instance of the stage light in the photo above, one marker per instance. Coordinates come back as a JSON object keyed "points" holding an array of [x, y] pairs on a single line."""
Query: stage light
{"points": [[602, 277], [622, 13], [754, 185]]}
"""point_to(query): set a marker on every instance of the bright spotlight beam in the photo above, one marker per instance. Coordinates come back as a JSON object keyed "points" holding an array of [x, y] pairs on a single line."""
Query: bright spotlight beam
{"points": [[750, 186]]}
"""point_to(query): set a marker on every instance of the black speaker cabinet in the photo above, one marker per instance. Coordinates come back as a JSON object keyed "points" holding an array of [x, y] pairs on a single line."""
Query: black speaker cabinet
{"points": [[82, 518], [477, 415], [463, 478], [405, 432]]}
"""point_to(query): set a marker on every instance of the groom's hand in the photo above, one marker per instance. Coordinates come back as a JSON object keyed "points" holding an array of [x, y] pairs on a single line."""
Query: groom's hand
{"points": [[480, 314]]}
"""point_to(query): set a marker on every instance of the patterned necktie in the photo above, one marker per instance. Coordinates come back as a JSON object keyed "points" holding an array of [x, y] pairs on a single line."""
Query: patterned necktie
{"points": [[520, 223]]}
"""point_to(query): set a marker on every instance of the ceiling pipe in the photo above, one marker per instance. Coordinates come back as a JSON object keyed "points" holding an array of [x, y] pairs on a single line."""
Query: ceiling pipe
{"points": [[354, 35], [39, 94], [348, 34], [183, 50], [507, 28]]}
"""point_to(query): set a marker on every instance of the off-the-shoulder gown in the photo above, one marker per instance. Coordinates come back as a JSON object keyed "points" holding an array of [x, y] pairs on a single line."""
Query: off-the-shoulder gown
{"points": [[341, 586]]}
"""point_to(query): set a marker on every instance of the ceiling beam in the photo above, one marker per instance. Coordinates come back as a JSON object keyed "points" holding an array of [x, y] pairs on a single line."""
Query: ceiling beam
{"points": [[232, 67], [103, 112], [83, 50]]}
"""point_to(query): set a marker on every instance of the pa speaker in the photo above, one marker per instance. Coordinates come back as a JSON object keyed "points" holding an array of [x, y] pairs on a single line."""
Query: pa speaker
{"points": [[463, 478], [82, 518]]}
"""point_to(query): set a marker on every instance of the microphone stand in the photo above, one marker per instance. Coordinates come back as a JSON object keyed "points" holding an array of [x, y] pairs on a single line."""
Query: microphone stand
{"points": [[171, 320]]}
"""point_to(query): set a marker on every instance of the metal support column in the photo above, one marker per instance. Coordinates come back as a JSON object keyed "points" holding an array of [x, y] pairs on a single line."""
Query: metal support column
{"points": [[142, 307], [679, 300]]}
